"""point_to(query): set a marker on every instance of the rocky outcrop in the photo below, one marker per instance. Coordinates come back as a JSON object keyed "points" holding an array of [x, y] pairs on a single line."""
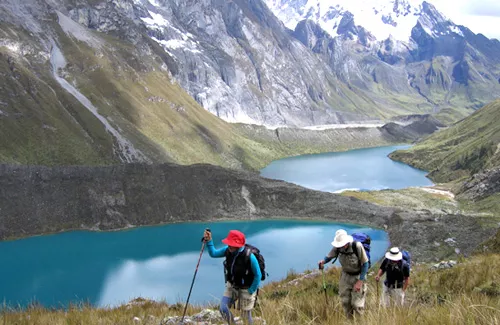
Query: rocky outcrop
{"points": [[481, 185], [36, 200], [412, 131]]}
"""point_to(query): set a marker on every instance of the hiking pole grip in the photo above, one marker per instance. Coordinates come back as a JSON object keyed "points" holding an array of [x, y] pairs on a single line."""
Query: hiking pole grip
{"points": [[203, 238]]}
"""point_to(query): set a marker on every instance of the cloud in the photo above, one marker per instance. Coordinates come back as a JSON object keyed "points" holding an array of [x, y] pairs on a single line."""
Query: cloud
{"points": [[488, 8]]}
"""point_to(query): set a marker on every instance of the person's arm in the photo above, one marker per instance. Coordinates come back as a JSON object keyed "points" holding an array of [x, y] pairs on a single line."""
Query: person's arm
{"points": [[381, 270], [364, 271], [406, 283], [406, 276], [363, 259], [221, 252], [333, 253], [257, 275]]}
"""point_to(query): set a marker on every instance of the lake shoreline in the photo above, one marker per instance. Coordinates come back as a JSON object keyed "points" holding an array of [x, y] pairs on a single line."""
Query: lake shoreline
{"points": [[118, 197], [154, 261]]}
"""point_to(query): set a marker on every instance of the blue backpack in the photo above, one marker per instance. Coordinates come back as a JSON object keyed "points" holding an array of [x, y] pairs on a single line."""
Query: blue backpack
{"points": [[366, 241], [406, 257]]}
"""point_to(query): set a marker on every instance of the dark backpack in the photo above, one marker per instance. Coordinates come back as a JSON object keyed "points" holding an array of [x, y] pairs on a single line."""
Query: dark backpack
{"points": [[366, 241], [262, 263]]}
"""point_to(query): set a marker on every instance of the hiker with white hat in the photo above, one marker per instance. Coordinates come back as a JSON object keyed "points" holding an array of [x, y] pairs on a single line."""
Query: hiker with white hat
{"points": [[352, 286], [397, 278]]}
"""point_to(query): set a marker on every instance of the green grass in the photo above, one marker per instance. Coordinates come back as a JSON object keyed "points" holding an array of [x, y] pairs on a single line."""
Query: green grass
{"points": [[469, 293], [410, 198], [461, 150]]}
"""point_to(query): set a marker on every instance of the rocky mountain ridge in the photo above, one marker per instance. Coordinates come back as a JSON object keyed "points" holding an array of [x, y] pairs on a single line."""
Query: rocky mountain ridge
{"points": [[71, 95], [239, 62]]}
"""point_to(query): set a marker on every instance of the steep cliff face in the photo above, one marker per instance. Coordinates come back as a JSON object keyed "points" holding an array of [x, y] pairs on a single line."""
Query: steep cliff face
{"points": [[97, 89], [238, 61]]}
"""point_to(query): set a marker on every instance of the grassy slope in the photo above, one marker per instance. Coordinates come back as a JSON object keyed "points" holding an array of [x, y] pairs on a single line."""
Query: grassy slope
{"points": [[466, 294], [43, 124], [461, 150], [40, 122]]}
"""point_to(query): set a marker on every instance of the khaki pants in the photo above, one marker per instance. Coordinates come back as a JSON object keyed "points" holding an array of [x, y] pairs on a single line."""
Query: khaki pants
{"points": [[246, 301], [352, 301], [397, 295]]}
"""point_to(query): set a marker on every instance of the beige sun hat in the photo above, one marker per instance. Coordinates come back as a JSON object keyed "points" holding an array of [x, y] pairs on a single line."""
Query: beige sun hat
{"points": [[341, 239], [394, 254]]}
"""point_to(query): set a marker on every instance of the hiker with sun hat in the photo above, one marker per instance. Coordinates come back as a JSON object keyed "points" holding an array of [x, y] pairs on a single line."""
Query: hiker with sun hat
{"points": [[242, 274], [397, 272], [352, 286]]}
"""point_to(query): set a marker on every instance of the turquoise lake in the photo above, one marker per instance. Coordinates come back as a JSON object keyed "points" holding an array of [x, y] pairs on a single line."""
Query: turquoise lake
{"points": [[111, 268], [362, 169]]}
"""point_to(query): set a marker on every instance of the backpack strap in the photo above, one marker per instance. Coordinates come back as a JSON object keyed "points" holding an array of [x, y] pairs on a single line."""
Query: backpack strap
{"points": [[354, 247], [248, 263]]}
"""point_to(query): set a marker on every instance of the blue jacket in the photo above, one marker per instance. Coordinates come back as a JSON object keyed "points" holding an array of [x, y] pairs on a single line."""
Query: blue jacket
{"points": [[254, 264]]}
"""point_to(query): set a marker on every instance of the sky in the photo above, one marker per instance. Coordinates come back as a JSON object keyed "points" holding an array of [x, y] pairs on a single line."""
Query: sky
{"points": [[480, 16]]}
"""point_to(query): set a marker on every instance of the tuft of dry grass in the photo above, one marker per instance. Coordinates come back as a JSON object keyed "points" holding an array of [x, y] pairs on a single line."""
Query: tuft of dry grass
{"points": [[469, 293]]}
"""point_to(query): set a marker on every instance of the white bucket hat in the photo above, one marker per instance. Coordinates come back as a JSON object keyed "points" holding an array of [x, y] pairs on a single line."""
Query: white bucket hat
{"points": [[340, 231], [341, 239], [394, 254]]}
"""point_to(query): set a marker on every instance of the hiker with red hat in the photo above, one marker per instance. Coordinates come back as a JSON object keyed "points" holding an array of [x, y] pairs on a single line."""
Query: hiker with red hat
{"points": [[242, 274]]}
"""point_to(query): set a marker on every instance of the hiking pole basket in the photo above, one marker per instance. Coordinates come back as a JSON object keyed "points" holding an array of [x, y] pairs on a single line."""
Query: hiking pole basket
{"points": [[194, 277]]}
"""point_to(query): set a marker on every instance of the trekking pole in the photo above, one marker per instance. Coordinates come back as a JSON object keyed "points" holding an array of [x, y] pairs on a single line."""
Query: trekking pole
{"points": [[194, 276], [324, 285]]}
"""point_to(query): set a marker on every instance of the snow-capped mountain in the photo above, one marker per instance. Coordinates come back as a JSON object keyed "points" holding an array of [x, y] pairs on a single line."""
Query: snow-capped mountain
{"points": [[350, 61], [381, 18]]}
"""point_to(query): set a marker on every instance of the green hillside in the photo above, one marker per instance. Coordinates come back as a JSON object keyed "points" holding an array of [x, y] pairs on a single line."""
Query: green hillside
{"points": [[465, 148]]}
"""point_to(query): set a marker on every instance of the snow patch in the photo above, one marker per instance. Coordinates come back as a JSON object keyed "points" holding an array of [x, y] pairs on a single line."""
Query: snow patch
{"points": [[156, 20], [14, 47], [381, 18], [126, 150], [456, 30], [175, 44], [155, 3]]}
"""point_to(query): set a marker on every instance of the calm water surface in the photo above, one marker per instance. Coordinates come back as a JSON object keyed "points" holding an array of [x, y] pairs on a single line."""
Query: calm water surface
{"points": [[110, 268], [362, 169]]}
